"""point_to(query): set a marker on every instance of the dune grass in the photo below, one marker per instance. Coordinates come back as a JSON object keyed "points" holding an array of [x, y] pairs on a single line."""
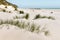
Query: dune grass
{"points": [[21, 12], [32, 27], [4, 10], [26, 16], [22, 25], [39, 16]]}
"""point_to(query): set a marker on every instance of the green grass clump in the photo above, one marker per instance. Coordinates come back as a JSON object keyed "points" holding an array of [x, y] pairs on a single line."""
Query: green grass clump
{"points": [[4, 10], [44, 17], [22, 25], [5, 6], [37, 16], [51, 18], [27, 16], [15, 22], [9, 11], [16, 17], [34, 28], [46, 33], [1, 22], [21, 12]]}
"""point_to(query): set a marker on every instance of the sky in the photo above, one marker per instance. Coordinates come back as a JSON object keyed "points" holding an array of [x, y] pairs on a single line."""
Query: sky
{"points": [[36, 3]]}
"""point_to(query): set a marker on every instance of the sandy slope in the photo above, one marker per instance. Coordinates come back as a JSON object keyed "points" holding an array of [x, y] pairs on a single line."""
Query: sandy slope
{"points": [[20, 34]]}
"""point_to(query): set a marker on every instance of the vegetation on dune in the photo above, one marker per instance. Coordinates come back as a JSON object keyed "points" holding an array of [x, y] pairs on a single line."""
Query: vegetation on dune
{"points": [[4, 10], [39, 16], [27, 16], [51, 18], [21, 24], [16, 17], [44, 17], [4, 2], [34, 28], [46, 33], [25, 25], [21, 12], [9, 11]]}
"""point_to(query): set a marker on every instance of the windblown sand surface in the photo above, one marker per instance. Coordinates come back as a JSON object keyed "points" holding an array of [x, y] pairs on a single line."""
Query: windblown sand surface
{"points": [[14, 33]]}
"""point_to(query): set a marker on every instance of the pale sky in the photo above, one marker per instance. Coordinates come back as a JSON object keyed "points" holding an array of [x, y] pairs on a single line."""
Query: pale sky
{"points": [[36, 3]]}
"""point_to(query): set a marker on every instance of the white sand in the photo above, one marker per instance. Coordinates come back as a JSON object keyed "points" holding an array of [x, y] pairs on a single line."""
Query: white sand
{"points": [[20, 34]]}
